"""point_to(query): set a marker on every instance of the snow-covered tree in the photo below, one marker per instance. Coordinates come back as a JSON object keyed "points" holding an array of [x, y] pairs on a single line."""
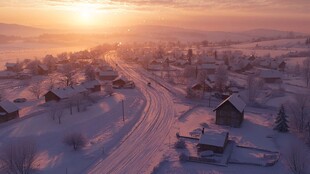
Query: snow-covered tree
{"points": [[298, 158], [69, 75], [90, 73], [299, 111], [36, 89], [221, 78], [306, 71], [109, 89], [281, 121], [76, 140], [254, 86], [18, 157], [297, 70]]}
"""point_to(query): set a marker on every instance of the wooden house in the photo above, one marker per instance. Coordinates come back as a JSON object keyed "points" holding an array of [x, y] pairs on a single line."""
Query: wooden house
{"points": [[8, 111], [92, 86], [11, 67], [271, 76], [213, 141], [108, 75], [230, 112], [119, 82], [64, 93], [42, 69]]}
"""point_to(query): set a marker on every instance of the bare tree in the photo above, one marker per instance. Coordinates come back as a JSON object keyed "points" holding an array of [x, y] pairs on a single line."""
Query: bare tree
{"points": [[69, 75], [90, 73], [56, 111], [109, 89], [298, 159], [306, 71], [254, 85], [52, 81], [36, 89], [297, 70], [221, 78], [299, 111], [18, 157], [76, 140]]}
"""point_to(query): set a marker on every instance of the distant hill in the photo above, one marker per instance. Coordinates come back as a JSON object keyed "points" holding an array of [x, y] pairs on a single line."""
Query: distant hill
{"points": [[269, 33], [153, 32], [142, 33], [20, 30]]}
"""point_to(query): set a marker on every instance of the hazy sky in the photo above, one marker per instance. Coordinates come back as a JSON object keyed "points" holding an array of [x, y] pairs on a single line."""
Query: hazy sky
{"points": [[226, 15]]}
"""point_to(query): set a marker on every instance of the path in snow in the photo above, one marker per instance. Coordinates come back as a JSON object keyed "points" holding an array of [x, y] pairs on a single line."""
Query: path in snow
{"points": [[142, 148]]}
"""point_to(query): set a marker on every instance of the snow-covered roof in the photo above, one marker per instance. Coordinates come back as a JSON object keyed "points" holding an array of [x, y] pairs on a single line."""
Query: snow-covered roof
{"points": [[79, 88], [7, 74], [270, 74], [207, 66], [121, 78], [8, 106], [44, 67], [90, 84], [108, 73], [68, 91], [213, 138], [10, 64], [236, 101]]}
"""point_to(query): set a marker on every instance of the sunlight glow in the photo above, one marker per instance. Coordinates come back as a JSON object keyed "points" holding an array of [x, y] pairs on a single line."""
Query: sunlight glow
{"points": [[86, 13]]}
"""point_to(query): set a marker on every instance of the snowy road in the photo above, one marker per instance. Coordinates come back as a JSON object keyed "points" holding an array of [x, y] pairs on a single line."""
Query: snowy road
{"points": [[143, 147]]}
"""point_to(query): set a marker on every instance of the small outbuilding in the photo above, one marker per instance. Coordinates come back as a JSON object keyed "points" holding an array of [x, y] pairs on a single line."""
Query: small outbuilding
{"points": [[230, 112], [92, 86], [213, 141], [8, 111], [108, 75], [271, 76]]}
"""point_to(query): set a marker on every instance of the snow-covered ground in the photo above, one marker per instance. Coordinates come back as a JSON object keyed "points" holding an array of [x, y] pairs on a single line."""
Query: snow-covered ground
{"points": [[101, 123]]}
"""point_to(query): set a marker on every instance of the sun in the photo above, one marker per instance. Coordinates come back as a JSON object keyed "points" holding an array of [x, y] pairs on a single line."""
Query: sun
{"points": [[85, 13]]}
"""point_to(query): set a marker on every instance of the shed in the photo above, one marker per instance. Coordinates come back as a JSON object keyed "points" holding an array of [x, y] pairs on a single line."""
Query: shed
{"points": [[108, 75], [119, 82], [213, 141], [42, 69], [64, 93], [230, 112], [92, 86], [11, 67], [271, 76], [8, 111]]}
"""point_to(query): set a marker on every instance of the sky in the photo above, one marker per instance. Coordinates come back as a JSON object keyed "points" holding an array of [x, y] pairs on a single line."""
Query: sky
{"points": [[211, 15]]}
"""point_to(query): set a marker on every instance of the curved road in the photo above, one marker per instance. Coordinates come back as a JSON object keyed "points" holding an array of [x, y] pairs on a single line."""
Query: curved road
{"points": [[143, 145]]}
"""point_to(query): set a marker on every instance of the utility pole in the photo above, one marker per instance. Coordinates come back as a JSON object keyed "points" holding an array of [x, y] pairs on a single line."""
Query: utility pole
{"points": [[123, 110]]}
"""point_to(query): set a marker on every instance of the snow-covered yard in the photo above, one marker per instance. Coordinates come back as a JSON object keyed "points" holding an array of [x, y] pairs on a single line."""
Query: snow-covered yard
{"points": [[102, 124]]}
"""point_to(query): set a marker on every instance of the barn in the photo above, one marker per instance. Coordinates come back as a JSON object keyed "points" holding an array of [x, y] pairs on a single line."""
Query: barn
{"points": [[8, 111], [230, 112], [108, 75], [213, 141], [271, 76], [92, 86], [64, 93], [42, 69]]}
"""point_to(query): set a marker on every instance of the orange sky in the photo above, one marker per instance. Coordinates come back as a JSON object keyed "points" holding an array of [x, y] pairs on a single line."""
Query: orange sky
{"points": [[225, 15]]}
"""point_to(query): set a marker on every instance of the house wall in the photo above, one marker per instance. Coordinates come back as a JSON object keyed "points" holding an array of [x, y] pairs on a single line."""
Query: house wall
{"points": [[8, 116], [119, 83], [96, 88], [272, 80], [228, 115], [51, 97]]}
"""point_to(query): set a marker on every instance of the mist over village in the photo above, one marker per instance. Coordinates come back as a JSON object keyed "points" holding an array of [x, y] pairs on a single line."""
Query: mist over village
{"points": [[154, 87]]}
